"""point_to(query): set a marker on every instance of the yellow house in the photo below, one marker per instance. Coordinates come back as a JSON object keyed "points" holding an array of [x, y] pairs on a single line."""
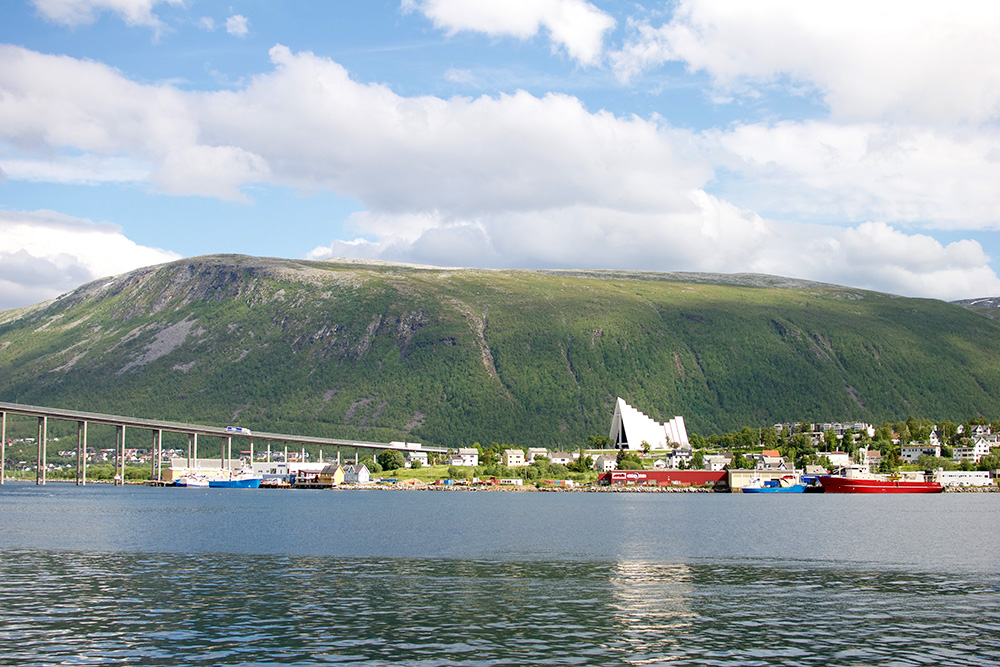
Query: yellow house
{"points": [[331, 475]]}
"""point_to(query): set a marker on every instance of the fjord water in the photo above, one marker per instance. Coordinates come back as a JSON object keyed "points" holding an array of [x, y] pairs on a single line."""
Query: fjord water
{"points": [[145, 576]]}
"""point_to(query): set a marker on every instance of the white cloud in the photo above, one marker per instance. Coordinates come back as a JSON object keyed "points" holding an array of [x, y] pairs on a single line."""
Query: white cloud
{"points": [[87, 169], [43, 254], [91, 112], [84, 12], [910, 174], [462, 76], [237, 25], [206, 23], [573, 25], [519, 180], [710, 236], [869, 59]]}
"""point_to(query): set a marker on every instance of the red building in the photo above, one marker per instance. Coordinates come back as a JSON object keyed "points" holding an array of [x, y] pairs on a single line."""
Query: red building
{"points": [[665, 477]]}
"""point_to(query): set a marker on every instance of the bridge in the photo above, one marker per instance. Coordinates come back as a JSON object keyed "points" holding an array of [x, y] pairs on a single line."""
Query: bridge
{"points": [[157, 429]]}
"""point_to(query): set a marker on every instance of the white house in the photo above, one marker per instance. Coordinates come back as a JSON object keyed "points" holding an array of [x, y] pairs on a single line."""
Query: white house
{"points": [[415, 456], [913, 451], [679, 458], [536, 451], [513, 458], [631, 428], [980, 447], [716, 462], [564, 458], [605, 463], [357, 474], [467, 456]]}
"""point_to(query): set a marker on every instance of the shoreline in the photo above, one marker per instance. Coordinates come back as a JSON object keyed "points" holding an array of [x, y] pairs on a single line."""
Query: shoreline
{"points": [[528, 488]]}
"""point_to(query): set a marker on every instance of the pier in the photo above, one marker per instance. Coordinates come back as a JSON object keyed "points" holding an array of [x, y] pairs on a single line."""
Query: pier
{"points": [[156, 429]]}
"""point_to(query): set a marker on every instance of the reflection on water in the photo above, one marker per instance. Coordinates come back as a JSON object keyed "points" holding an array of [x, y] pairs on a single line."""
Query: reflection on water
{"points": [[168, 609], [651, 607]]}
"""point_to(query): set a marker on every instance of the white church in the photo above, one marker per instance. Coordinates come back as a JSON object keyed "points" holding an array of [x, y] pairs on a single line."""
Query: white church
{"points": [[630, 428]]}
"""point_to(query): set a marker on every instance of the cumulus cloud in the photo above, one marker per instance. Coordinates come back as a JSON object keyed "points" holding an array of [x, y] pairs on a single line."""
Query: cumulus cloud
{"points": [[44, 253], [238, 25], [522, 180], [821, 170], [574, 25], [84, 12], [711, 235], [868, 59], [91, 112]]}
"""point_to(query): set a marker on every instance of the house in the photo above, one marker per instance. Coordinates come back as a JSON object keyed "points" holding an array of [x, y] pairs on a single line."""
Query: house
{"points": [[563, 458], [536, 451], [716, 462], [467, 456], [412, 456], [331, 475], [513, 458], [630, 429], [979, 448], [870, 457], [978, 431], [357, 474], [913, 451], [604, 464], [769, 459], [679, 458]]}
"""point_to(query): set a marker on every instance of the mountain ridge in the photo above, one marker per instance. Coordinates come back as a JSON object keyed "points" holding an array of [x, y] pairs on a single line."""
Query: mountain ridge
{"points": [[374, 350]]}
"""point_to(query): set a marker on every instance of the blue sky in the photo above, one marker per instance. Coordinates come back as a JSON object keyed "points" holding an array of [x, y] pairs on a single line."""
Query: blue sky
{"points": [[855, 143]]}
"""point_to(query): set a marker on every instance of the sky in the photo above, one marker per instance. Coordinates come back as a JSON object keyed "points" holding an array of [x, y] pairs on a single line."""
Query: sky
{"points": [[855, 143]]}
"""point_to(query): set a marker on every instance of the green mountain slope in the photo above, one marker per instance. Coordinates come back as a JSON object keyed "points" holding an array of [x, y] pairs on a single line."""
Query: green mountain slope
{"points": [[448, 357]]}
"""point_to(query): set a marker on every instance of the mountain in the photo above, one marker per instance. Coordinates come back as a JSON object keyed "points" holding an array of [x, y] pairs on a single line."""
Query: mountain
{"points": [[385, 352], [987, 305]]}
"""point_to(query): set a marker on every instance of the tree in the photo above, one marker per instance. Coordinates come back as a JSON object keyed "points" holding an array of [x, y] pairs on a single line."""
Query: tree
{"points": [[698, 460], [415, 463], [391, 459], [628, 461], [739, 462], [598, 442], [830, 439], [371, 464]]}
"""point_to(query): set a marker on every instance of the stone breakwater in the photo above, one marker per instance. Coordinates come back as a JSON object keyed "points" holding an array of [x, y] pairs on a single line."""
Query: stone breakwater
{"points": [[529, 488]]}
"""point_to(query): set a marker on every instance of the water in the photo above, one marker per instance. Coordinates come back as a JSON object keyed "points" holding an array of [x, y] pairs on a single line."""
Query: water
{"points": [[144, 576]]}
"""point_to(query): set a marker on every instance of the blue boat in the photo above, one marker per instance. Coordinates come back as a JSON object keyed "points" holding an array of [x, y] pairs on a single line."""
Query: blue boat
{"points": [[787, 484], [232, 481], [237, 482]]}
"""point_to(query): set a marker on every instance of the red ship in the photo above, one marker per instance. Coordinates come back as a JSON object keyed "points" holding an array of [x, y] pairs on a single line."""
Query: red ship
{"points": [[860, 480]]}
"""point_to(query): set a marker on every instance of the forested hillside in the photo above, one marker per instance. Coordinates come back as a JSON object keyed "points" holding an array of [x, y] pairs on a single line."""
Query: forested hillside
{"points": [[448, 357]]}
